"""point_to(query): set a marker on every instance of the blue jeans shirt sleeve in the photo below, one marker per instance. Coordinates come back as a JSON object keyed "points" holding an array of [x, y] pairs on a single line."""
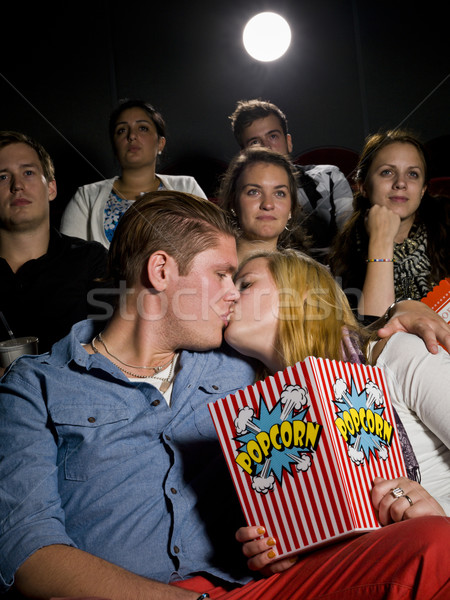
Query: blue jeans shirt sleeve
{"points": [[30, 505]]}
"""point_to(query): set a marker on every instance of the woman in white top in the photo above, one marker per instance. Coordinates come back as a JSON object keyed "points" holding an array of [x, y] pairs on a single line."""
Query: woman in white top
{"points": [[289, 308], [137, 134]]}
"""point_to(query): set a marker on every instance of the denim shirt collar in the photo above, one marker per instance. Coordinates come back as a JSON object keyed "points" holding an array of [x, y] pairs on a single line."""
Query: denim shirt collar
{"points": [[70, 349]]}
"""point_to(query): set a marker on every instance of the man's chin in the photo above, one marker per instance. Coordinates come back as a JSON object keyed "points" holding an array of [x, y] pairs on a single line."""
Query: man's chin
{"points": [[211, 343]]}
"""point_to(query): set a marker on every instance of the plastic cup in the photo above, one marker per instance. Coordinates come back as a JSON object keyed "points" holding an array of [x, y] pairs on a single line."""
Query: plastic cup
{"points": [[11, 349]]}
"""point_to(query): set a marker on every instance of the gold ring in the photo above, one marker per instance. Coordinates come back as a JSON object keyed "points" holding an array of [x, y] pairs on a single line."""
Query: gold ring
{"points": [[397, 492], [409, 499]]}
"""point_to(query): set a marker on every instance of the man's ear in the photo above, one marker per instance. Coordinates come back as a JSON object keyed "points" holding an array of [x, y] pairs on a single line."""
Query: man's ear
{"points": [[52, 190], [289, 143], [160, 269]]}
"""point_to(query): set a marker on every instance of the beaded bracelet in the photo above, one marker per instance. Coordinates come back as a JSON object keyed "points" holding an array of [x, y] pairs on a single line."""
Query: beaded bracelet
{"points": [[380, 260], [205, 595]]}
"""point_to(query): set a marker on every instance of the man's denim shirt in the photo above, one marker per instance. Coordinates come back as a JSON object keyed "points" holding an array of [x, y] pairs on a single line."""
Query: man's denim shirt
{"points": [[92, 460]]}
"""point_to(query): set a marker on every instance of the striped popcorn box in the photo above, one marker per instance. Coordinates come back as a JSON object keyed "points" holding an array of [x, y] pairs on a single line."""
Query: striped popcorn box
{"points": [[303, 447]]}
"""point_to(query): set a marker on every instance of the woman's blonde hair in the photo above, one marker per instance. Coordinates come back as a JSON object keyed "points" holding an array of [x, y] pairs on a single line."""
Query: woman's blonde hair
{"points": [[314, 312]]}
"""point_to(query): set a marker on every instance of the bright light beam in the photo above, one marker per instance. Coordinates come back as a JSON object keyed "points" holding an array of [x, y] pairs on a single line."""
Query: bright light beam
{"points": [[267, 36]]}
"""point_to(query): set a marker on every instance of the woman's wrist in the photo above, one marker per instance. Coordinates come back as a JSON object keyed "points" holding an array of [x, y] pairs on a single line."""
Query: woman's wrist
{"points": [[381, 247]]}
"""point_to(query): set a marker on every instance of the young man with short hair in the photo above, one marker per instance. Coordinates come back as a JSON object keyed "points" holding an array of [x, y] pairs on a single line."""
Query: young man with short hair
{"points": [[45, 276], [323, 193]]}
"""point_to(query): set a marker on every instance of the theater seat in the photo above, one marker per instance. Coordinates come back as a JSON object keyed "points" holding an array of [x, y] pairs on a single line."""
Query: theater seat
{"points": [[439, 186]]}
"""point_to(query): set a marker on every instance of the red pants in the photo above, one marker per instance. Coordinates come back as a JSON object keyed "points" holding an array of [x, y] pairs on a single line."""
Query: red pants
{"points": [[407, 560]]}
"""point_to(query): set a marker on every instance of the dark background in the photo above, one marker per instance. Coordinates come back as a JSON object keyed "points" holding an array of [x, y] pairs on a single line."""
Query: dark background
{"points": [[353, 67]]}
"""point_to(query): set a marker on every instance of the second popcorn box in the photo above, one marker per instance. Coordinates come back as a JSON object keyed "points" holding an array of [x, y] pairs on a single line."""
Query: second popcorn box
{"points": [[303, 447]]}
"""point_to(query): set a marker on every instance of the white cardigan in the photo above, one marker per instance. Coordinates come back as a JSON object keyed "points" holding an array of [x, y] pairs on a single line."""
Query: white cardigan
{"points": [[84, 215], [419, 387]]}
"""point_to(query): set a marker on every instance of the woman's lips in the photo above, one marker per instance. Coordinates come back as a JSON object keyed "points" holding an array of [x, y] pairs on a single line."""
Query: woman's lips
{"points": [[226, 317]]}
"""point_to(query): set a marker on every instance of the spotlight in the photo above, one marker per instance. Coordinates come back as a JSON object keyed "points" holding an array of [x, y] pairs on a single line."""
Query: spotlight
{"points": [[267, 36]]}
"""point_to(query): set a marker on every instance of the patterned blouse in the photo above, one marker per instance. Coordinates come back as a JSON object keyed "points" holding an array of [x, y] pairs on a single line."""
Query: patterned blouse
{"points": [[114, 209], [412, 266]]}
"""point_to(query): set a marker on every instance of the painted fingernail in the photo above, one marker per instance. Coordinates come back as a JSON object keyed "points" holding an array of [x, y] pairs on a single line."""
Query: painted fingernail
{"points": [[271, 542], [271, 554], [261, 530]]}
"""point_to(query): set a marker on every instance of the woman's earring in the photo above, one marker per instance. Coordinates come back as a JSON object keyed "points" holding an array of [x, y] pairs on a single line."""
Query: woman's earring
{"points": [[286, 226], [235, 220]]}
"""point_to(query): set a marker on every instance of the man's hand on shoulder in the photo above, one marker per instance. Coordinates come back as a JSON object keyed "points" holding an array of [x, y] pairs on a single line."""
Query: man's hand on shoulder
{"points": [[416, 317]]}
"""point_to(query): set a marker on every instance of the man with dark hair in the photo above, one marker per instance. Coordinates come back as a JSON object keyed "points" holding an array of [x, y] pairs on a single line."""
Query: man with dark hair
{"points": [[45, 276], [323, 193], [113, 482]]}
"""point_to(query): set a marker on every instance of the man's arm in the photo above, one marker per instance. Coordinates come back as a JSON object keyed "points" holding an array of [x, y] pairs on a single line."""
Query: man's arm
{"points": [[37, 555], [58, 571], [31, 516], [343, 197], [416, 317]]}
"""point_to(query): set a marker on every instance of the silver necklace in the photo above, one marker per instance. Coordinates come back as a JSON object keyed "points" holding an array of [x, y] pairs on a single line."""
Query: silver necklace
{"points": [[139, 193], [157, 369], [166, 381]]}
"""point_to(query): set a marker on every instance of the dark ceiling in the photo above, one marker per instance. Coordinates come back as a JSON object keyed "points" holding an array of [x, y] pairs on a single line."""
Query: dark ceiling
{"points": [[353, 67]]}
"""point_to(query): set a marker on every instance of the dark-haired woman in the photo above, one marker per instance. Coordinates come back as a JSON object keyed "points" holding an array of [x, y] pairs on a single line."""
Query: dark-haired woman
{"points": [[259, 191], [138, 136], [395, 245]]}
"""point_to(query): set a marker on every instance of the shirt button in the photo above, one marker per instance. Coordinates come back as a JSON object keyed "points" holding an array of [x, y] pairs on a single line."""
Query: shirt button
{"points": [[155, 403], [215, 387], [176, 549], [91, 419], [173, 490]]}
